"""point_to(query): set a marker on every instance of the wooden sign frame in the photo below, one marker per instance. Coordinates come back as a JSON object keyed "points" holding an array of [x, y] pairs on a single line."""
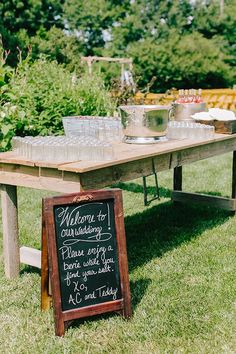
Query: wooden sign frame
{"points": [[50, 265]]}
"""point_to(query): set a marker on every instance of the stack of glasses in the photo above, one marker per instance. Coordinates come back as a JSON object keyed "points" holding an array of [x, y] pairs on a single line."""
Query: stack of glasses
{"points": [[62, 148], [103, 128], [188, 130]]}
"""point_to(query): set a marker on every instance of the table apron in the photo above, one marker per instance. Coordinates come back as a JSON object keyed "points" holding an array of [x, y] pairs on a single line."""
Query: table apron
{"points": [[68, 182], [130, 170]]}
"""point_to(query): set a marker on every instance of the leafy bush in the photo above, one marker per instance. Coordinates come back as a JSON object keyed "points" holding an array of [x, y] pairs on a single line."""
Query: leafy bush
{"points": [[182, 62], [57, 45], [5, 108], [39, 94]]}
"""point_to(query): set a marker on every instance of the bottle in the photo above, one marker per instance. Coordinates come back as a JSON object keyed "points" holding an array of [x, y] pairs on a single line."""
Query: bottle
{"points": [[194, 96], [180, 98], [186, 96], [190, 97], [199, 96]]}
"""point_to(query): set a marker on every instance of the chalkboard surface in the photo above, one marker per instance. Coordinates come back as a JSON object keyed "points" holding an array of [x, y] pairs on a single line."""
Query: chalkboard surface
{"points": [[84, 254], [87, 253]]}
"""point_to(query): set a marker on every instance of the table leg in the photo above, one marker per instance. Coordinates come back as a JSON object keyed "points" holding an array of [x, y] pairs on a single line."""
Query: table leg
{"points": [[178, 178], [46, 298], [10, 231], [234, 176]]}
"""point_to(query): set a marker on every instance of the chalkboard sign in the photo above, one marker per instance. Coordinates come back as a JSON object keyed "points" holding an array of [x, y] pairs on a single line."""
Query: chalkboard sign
{"points": [[87, 255]]}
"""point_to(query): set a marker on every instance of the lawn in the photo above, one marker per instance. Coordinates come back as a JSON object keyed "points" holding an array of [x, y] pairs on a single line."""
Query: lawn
{"points": [[182, 266]]}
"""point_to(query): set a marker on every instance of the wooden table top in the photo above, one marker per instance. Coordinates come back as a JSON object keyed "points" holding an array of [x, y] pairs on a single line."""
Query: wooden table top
{"points": [[123, 153]]}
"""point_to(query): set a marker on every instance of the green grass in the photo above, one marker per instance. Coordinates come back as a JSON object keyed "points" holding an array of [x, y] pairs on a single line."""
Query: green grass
{"points": [[182, 265]]}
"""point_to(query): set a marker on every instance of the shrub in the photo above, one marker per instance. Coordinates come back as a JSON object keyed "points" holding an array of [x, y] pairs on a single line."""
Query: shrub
{"points": [[182, 62], [39, 94], [57, 45]]}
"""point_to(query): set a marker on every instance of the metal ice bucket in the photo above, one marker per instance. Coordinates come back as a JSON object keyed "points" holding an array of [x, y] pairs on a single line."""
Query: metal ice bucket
{"points": [[183, 111], [144, 124]]}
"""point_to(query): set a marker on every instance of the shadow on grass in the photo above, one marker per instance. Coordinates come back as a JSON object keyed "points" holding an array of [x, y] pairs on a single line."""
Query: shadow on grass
{"points": [[81, 321], [29, 269], [138, 188], [155, 231], [138, 289], [151, 190], [159, 229]]}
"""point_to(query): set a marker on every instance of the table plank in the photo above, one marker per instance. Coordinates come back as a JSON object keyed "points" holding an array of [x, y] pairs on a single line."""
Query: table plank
{"points": [[134, 161], [209, 200], [130, 152], [11, 157], [123, 153]]}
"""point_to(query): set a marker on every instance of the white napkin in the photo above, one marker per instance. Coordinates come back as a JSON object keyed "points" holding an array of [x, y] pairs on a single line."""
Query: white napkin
{"points": [[202, 116], [221, 114], [215, 114]]}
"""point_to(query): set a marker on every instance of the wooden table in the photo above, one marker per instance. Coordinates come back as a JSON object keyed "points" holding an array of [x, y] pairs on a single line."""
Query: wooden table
{"points": [[130, 162]]}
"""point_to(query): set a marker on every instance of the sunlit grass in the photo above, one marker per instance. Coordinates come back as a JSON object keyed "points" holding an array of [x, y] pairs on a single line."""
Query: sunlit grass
{"points": [[182, 265]]}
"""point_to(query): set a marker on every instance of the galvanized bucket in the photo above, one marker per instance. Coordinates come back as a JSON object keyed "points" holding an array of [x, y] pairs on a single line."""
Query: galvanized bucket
{"points": [[184, 111], [144, 124]]}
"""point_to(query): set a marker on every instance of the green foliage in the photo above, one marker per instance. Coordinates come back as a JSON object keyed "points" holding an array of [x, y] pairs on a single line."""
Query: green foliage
{"points": [[65, 30], [164, 38], [6, 109], [91, 18], [11, 120], [65, 49], [27, 16], [40, 94], [179, 62], [211, 23]]}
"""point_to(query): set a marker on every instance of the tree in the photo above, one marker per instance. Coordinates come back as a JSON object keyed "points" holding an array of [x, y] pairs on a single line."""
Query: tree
{"points": [[92, 20], [113, 25], [178, 62], [22, 19], [57, 45], [164, 32], [211, 22]]}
